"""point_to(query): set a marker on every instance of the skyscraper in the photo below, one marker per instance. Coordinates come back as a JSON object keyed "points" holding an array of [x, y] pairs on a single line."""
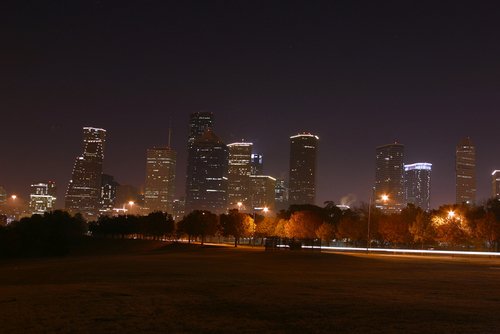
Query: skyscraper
{"points": [[389, 177], [199, 123], [302, 185], [418, 184], [207, 174], [281, 195], [42, 197], [238, 175], [109, 188], [495, 184], [84, 187], [160, 179], [262, 192], [257, 165], [465, 170]]}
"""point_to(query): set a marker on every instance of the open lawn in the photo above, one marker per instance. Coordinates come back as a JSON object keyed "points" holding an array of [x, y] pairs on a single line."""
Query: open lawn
{"points": [[137, 286]]}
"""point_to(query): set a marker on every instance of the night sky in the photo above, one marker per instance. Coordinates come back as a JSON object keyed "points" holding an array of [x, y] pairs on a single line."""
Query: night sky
{"points": [[357, 73]]}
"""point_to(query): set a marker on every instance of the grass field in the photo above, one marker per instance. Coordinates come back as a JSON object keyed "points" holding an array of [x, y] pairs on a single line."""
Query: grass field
{"points": [[136, 286]]}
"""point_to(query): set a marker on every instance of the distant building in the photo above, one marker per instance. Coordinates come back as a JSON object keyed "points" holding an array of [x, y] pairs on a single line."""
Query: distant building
{"points": [[43, 197], [389, 178], [84, 188], [257, 164], [178, 209], [262, 189], [199, 123], [281, 195], [303, 152], [495, 184], [160, 179], [418, 184], [109, 187], [465, 169], [207, 174], [3, 196], [238, 174]]}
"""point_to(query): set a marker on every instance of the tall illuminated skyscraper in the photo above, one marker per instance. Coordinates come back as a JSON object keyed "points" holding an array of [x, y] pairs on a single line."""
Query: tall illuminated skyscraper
{"points": [[262, 189], [199, 123], [418, 184], [207, 174], [238, 176], [257, 164], [109, 187], [389, 177], [465, 169], [42, 197], [160, 179], [84, 187], [302, 185], [495, 184]]}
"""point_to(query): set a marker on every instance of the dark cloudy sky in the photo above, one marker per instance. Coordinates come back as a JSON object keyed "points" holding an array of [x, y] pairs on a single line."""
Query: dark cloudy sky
{"points": [[358, 73]]}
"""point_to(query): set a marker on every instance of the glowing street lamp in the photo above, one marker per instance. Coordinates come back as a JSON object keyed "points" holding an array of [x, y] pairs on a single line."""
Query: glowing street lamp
{"points": [[451, 214], [14, 197], [266, 209], [384, 198], [239, 204]]}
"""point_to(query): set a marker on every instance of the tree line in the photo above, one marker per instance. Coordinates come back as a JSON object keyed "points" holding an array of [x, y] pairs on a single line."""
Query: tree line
{"points": [[448, 227]]}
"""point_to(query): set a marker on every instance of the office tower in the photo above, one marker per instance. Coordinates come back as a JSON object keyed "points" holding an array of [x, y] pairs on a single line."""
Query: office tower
{"points": [[199, 123], [257, 165], [178, 209], [495, 183], [465, 170], [281, 195], [389, 178], [302, 185], [262, 189], [207, 174], [42, 197], [160, 179], [3, 196], [238, 175], [418, 184], [109, 188], [84, 187]]}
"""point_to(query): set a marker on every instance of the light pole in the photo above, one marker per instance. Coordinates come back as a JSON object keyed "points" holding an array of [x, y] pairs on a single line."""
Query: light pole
{"points": [[384, 199]]}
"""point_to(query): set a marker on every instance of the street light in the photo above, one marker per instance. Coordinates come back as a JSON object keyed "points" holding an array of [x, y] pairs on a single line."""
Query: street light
{"points": [[451, 214], [239, 204], [384, 198]]}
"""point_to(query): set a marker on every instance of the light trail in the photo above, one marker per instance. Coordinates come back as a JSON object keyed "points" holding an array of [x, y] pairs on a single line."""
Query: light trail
{"points": [[401, 250]]}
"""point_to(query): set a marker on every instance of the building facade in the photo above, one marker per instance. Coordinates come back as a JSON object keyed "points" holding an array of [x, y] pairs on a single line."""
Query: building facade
{"points": [[238, 176], [281, 195], [109, 187], [257, 164], [495, 184], [465, 172], [389, 178], [418, 184], [160, 179], [207, 174], [262, 189], [43, 197], [302, 173], [84, 188]]}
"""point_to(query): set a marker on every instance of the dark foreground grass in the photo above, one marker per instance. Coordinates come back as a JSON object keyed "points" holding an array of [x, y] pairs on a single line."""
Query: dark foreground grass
{"points": [[225, 290]]}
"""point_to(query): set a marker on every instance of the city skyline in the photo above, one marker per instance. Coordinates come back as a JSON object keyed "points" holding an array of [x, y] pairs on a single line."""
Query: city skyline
{"points": [[359, 75]]}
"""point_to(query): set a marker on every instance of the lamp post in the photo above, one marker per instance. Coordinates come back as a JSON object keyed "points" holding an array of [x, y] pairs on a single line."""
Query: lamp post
{"points": [[384, 199]]}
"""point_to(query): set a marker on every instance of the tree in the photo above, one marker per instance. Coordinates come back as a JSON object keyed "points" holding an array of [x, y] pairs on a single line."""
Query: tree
{"points": [[199, 223], [237, 224], [421, 229], [352, 227], [303, 224], [394, 229], [326, 231]]}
